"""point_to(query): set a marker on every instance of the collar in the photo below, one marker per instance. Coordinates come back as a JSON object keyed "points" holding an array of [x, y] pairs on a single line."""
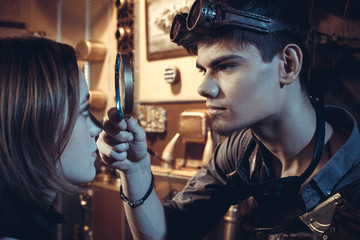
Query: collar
{"points": [[333, 175]]}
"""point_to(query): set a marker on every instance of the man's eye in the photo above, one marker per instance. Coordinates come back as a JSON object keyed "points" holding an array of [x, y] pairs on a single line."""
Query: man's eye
{"points": [[226, 67], [202, 71]]}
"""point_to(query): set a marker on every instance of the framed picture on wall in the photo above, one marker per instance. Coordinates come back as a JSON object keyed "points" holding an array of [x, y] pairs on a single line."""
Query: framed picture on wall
{"points": [[159, 16]]}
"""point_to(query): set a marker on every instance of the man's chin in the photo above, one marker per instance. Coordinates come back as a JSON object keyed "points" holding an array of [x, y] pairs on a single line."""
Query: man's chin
{"points": [[222, 130]]}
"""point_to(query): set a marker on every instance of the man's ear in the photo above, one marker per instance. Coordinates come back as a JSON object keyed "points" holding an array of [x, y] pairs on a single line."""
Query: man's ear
{"points": [[291, 58]]}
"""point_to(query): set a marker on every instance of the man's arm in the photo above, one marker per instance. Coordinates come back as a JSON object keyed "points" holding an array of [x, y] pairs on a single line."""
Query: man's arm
{"points": [[123, 145]]}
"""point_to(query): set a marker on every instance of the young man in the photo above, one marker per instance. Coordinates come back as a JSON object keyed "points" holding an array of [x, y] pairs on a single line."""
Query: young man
{"points": [[281, 158]]}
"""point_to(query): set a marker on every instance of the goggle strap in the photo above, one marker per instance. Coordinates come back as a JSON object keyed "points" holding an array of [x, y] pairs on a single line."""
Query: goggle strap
{"points": [[247, 20]]}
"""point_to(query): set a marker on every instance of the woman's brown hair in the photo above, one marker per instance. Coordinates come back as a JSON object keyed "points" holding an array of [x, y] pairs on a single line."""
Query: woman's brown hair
{"points": [[39, 104]]}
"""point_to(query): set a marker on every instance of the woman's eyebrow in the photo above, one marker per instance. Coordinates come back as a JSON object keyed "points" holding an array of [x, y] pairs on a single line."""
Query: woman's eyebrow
{"points": [[86, 100]]}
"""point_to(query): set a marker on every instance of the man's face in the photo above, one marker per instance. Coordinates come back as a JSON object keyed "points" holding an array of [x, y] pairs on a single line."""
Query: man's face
{"points": [[240, 89]]}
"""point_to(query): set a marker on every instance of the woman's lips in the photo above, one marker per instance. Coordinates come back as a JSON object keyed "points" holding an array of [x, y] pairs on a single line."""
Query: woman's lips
{"points": [[94, 156]]}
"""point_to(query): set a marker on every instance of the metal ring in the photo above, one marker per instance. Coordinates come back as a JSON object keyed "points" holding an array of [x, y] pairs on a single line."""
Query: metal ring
{"points": [[123, 85]]}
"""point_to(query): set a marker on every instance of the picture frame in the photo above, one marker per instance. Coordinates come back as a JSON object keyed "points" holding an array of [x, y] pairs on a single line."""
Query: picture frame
{"points": [[159, 16]]}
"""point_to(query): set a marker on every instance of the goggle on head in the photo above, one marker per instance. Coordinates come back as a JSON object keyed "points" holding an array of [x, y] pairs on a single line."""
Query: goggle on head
{"points": [[207, 15]]}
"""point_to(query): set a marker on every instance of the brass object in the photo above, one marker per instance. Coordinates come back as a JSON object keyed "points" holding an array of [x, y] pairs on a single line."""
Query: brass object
{"points": [[97, 100], [121, 4], [319, 219], [123, 33], [91, 50], [193, 126]]}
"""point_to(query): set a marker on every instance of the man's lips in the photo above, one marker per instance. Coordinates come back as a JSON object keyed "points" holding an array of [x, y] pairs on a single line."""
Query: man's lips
{"points": [[214, 110]]}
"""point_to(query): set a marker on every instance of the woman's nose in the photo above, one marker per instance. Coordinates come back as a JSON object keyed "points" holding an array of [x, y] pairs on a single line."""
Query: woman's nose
{"points": [[208, 88], [95, 126]]}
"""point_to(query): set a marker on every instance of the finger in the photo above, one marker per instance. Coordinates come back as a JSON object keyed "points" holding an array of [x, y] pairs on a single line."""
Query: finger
{"points": [[117, 134], [122, 147], [114, 116], [112, 143], [123, 136], [112, 121], [109, 140], [109, 128], [108, 152], [118, 156], [106, 145], [135, 129], [108, 161]]}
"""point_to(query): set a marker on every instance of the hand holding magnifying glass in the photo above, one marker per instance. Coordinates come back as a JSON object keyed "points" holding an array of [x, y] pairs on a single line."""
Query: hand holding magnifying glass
{"points": [[123, 85]]}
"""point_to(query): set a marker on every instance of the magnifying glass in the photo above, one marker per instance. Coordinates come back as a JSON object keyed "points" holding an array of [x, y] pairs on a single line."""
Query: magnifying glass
{"points": [[123, 85]]}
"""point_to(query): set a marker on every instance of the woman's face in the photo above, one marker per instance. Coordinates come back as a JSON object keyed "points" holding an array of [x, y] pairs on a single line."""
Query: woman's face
{"points": [[77, 160]]}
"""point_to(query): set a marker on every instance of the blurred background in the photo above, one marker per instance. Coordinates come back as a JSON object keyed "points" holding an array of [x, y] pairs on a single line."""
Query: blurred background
{"points": [[166, 102]]}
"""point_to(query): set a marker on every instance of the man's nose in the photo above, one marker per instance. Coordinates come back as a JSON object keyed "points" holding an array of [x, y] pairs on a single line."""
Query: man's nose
{"points": [[208, 87]]}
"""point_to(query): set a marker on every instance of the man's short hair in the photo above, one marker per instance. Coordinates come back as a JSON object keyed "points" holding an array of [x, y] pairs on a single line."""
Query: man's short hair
{"points": [[290, 12]]}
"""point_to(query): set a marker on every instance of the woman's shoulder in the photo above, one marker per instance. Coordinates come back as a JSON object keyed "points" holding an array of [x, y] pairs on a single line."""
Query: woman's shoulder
{"points": [[30, 223]]}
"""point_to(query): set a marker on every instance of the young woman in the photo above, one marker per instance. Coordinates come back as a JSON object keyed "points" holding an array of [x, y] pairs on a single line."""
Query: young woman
{"points": [[47, 137]]}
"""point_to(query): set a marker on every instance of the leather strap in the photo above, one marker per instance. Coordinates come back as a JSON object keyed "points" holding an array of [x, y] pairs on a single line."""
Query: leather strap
{"points": [[247, 20], [140, 201]]}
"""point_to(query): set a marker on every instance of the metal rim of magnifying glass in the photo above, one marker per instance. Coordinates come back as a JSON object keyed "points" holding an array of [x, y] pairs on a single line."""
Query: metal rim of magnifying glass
{"points": [[124, 104]]}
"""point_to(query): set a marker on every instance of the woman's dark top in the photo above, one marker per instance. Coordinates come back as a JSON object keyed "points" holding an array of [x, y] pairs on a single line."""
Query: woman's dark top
{"points": [[20, 220]]}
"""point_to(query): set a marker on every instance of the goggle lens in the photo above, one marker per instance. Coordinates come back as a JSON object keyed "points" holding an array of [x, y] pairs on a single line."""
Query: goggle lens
{"points": [[194, 15], [206, 15], [177, 26]]}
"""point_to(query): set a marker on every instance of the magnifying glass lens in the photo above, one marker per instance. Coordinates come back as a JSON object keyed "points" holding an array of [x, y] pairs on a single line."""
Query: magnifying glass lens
{"points": [[123, 85], [122, 95]]}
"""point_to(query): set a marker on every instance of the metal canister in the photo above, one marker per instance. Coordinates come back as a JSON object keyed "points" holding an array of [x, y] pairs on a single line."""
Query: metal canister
{"points": [[97, 100], [91, 50]]}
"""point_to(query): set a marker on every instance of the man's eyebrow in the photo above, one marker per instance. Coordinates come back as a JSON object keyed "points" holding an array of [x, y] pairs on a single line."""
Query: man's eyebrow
{"points": [[199, 66], [219, 60]]}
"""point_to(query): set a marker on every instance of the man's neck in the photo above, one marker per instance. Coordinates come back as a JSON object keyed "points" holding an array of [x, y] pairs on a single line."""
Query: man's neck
{"points": [[290, 137]]}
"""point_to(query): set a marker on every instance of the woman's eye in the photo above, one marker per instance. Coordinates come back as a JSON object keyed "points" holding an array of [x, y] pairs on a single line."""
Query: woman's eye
{"points": [[85, 112]]}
